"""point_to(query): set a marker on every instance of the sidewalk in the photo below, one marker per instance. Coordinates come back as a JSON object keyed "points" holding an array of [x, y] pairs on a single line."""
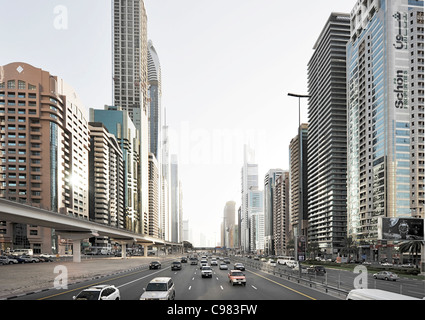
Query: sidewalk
{"points": [[27, 278]]}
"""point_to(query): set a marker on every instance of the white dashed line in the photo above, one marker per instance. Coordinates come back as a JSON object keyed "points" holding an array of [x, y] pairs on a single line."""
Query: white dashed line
{"points": [[254, 287], [190, 287], [221, 287]]}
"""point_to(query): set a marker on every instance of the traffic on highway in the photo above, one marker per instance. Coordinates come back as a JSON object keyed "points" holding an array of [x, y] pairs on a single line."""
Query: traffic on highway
{"points": [[161, 280], [209, 277]]}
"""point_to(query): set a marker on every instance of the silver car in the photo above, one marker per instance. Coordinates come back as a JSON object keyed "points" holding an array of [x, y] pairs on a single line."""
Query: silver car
{"points": [[161, 288], [386, 275]]}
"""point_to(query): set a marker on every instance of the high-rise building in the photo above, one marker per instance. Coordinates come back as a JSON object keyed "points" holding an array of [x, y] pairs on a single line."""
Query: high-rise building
{"points": [[298, 217], [256, 220], [327, 136], [281, 213], [175, 199], [130, 57], [106, 180], [154, 93], [269, 184], [130, 75], [118, 123], [44, 149], [154, 206], [385, 70], [165, 186], [229, 224], [249, 180]]}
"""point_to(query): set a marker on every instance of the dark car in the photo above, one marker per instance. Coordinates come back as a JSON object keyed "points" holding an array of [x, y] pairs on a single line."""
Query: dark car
{"points": [[45, 259], [184, 260], [239, 266], [155, 265], [176, 265], [317, 270]]}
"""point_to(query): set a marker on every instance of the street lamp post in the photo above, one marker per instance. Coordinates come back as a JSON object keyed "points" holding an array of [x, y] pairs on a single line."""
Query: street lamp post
{"points": [[300, 182]]}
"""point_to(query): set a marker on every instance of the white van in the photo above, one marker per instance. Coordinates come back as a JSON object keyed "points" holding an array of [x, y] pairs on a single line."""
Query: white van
{"points": [[20, 252], [376, 294]]}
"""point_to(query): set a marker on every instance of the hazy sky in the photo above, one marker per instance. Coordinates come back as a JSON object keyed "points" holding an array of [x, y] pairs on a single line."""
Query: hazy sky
{"points": [[227, 66]]}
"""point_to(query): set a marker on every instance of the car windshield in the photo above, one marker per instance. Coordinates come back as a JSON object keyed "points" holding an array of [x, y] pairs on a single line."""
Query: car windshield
{"points": [[206, 268], [88, 295], [156, 287], [237, 274], [176, 262]]}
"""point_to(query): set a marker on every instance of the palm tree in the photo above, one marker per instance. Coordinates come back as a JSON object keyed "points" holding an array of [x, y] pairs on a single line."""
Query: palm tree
{"points": [[413, 247], [350, 246]]}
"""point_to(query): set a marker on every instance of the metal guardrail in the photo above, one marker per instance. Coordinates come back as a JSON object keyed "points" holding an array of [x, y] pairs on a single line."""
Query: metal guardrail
{"points": [[309, 280]]}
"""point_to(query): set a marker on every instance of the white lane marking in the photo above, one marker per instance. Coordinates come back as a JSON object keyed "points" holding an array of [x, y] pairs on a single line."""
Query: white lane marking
{"points": [[193, 278], [190, 287], [216, 278], [221, 287], [142, 278], [254, 287]]}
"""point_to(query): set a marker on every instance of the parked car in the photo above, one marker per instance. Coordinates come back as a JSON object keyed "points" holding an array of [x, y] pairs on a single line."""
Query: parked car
{"points": [[236, 277], [161, 288], [386, 275], [155, 265], [99, 292], [8, 260], [27, 259], [176, 265], [45, 259]]}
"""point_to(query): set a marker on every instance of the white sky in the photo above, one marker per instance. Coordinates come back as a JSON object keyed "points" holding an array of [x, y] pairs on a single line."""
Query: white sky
{"points": [[227, 66]]}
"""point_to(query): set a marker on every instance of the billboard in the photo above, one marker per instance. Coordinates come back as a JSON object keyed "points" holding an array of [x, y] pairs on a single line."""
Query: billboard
{"points": [[401, 229]]}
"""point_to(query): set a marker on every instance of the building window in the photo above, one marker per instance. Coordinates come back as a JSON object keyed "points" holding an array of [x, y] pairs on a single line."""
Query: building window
{"points": [[11, 84]]}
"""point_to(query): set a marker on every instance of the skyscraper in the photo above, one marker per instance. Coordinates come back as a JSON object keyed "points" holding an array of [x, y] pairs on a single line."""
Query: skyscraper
{"points": [[44, 146], [249, 180], [298, 219], [118, 123], [130, 75], [327, 136], [385, 70], [175, 199], [154, 93], [280, 213], [256, 220], [229, 223], [106, 180], [269, 184]]}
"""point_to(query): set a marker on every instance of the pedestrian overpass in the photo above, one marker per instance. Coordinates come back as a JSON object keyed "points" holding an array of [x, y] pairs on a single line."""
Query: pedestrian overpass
{"points": [[76, 229]]}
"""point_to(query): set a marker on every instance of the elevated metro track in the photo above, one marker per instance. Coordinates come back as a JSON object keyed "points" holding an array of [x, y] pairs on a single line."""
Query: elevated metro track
{"points": [[73, 228]]}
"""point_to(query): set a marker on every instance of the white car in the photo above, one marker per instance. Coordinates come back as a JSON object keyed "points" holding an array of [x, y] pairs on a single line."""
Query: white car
{"points": [[214, 262], [206, 272], [223, 266], [161, 288], [99, 292]]}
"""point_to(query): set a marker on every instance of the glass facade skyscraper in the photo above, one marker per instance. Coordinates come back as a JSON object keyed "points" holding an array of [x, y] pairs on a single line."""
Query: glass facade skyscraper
{"points": [[384, 163]]}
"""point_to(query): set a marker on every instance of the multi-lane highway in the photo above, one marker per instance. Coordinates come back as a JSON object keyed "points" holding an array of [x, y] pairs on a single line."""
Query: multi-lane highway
{"points": [[190, 285]]}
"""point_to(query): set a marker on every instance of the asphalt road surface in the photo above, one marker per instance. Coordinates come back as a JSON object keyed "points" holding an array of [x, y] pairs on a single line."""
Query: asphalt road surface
{"points": [[190, 285]]}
